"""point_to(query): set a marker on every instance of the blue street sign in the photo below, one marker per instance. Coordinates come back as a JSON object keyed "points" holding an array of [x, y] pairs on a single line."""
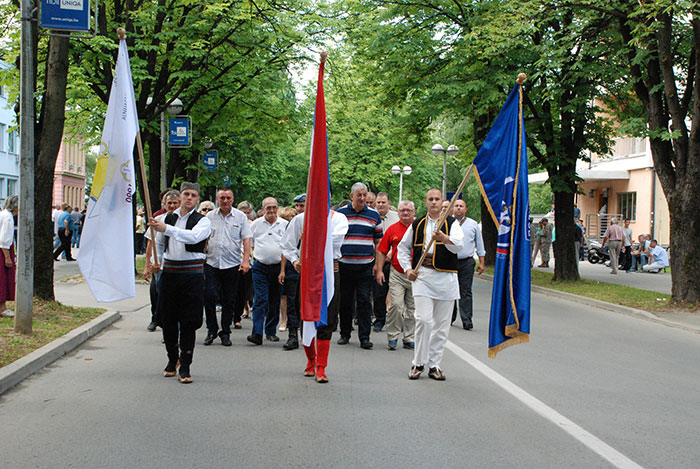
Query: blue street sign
{"points": [[68, 15], [210, 159], [179, 131]]}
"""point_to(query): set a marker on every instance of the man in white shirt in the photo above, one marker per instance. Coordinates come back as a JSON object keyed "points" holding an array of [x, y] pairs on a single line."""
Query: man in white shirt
{"points": [[267, 232], [435, 285], [473, 243], [658, 258], [226, 262], [380, 291], [182, 236]]}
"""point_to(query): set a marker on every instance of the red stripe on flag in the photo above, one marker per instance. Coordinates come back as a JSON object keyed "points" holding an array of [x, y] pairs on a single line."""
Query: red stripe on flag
{"points": [[315, 215]]}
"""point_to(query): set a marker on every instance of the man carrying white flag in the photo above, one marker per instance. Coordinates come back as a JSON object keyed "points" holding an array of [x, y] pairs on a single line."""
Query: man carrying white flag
{"points": [[106, 257]]}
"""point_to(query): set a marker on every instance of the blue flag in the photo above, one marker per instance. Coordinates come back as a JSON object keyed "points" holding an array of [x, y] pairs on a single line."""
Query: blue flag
{"points": [[501, 169]]}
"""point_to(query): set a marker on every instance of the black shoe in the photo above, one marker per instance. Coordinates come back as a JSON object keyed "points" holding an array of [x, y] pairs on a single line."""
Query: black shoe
{"points": [[378, 327], [255, 339], [272, 338], [152, 327], [170, 369], [184, 375], [293, 340], [468, 326], [210, 338], [366, 344], [343, 340], [71, 260], [237, 326], [225, 340]]}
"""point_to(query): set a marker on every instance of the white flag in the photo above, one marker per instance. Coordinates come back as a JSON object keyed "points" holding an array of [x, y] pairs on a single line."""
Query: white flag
{"points": [[106, 256]]}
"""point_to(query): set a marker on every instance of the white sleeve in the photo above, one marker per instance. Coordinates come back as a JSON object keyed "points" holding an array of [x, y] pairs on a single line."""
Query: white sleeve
{"points": [[198, 233], [457, 238], [404, 250], [290, 240], [340, 229], [7, 230]]}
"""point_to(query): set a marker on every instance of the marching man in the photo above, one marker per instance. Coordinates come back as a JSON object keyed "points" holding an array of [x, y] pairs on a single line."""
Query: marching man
{"points": [[435, 285]]}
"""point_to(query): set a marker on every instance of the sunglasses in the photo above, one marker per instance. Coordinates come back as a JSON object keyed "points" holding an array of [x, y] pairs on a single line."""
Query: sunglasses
{"points": [[207, 209]]}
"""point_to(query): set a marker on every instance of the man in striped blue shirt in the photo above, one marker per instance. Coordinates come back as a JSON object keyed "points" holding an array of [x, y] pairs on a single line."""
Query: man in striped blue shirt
{"points": [[357, 265]]}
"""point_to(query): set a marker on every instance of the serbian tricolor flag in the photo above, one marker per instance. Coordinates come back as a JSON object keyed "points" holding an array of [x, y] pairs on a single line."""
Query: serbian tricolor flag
{"points": [[501, 169], [317, 285]]}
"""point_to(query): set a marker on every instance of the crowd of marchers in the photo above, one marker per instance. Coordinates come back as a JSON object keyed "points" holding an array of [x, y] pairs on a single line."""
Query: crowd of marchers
{"points": [[408, 277]]}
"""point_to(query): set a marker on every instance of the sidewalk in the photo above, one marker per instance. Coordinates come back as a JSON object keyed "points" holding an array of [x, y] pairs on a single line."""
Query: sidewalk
{"points": [[660, 282]]}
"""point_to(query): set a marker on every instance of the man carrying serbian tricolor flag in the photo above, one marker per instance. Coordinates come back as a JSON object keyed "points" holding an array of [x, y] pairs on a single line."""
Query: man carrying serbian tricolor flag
{"points": [[501, 169], [323, 233], [106, 257]]}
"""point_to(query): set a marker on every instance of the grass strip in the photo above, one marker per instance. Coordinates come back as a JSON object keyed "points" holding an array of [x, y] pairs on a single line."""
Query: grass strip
{"points": [[50, 320], [612, 293]]}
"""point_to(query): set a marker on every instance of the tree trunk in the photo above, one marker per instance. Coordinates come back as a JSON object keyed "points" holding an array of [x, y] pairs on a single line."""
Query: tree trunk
{"points": [[684, 252], [50, 130], [564, 253]]}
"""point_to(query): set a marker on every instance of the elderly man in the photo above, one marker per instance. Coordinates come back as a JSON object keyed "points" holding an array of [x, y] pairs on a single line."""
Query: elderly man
{"points": [[381, 290], [267, 233], [658, 258], [401, 310], [317, 351], [473, 244], [183, 238], [435, 285], [371, 200], [614, 236], [226, 262], [356, 265], [171, 202]]}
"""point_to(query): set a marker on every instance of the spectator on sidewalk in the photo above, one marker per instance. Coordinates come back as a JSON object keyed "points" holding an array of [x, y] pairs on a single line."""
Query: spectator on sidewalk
{"points": [[658, 258], [614, 236], [7, 269], [626, 256]]}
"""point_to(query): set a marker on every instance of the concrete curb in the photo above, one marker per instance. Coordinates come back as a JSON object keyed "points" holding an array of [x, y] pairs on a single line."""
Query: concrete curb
{"points": [[18, 370], [604, 305]]}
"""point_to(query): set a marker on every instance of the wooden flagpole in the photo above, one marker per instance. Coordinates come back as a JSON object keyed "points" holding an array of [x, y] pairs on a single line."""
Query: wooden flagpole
{"points": [[443, 216], [121, 33]]}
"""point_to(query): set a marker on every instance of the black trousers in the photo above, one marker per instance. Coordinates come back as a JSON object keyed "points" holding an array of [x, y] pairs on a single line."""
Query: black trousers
{"points": [[180, 308], [465, 275], [291, 290], [243, 295], [357, 284], [380, 294], [221, 284], [65, 244]]}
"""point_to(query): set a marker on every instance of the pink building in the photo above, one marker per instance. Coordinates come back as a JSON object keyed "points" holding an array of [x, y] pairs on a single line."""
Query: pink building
{"points": [[69, 175], [626, 185]]}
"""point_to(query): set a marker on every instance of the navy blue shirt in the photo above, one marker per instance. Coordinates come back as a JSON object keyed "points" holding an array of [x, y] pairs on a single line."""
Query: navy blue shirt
{"points": [[364, 227]]}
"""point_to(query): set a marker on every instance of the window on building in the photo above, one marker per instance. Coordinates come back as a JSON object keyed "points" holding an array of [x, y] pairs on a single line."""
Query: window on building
{"points": [[3, 128], [2, 91], [11, 187], [12, 142], [627, 205]]}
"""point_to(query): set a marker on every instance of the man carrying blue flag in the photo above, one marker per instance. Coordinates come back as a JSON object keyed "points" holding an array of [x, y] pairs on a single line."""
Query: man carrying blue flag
{"points": [[436, 286]]}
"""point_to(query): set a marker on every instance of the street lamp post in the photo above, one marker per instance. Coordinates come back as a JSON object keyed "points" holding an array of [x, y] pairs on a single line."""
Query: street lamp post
{"points": [[438, 150], [397, 170], [175, 107]]}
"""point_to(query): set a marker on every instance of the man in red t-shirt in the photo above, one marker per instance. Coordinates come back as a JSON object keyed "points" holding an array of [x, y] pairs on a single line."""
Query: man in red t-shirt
{"points": [[400, 315]]}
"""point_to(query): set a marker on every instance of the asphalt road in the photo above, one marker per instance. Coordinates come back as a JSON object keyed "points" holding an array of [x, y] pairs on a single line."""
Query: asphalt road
{"points": [[628, 388]]}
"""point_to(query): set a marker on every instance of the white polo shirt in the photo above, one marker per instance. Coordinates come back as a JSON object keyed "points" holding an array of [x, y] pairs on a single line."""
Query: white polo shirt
{"points": [[266, 239]]}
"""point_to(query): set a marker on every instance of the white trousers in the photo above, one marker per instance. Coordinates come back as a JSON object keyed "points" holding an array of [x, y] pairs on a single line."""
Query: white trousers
{"points": [[653, 267], [432, 327]]}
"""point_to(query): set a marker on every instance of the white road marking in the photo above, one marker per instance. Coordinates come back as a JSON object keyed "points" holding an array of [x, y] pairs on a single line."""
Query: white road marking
{"points": [[606, 451]]}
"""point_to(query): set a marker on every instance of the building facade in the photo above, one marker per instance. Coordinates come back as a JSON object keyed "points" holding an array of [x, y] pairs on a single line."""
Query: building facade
{"points": [[69, 174], [9, 147], [625, 184]]}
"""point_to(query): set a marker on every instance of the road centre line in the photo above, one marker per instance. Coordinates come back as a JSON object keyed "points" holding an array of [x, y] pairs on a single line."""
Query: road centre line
{"points": [[598, 446]]}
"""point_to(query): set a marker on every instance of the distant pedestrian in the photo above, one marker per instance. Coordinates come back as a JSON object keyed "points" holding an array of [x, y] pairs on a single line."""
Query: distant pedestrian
{"points": [[658, 259], [614, 236], [65, 233], [546, 240], [7, 269]]}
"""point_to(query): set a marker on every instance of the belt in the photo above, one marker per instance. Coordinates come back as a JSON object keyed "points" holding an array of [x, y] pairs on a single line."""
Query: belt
{"points": [[194, 266]]}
